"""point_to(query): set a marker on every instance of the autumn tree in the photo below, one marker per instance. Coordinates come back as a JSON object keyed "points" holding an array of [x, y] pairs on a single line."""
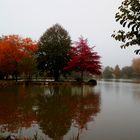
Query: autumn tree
{"points": [[9, 55], [84, 58], [129, 16], [136, 67], [13, 50], [117, 72], [27, 66], [54, 46]]}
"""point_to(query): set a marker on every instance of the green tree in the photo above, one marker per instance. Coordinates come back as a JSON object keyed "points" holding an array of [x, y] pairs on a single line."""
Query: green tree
{"points": [[54, 46], [108, 72], [117, 72], [129, 16], [127, 72]]}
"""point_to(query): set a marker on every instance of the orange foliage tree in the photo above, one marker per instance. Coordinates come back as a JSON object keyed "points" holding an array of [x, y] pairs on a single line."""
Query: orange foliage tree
{"points": [[136, 67], [13, 51]]}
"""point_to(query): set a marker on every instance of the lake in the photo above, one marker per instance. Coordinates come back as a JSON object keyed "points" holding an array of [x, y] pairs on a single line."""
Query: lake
{"points": [[108, 111]]}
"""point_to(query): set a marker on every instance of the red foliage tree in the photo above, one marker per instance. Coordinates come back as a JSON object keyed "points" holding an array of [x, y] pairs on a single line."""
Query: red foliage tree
{"points": [[84, 58], [13, 49]]}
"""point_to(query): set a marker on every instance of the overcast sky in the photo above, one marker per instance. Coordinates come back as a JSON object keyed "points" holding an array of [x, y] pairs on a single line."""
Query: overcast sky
{"points": [[93, 19]]}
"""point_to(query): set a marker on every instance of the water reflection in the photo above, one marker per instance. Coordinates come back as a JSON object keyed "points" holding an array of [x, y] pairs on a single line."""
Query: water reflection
{"points": [[61, 108], [16, 110], [136, 93], [55, 110]]}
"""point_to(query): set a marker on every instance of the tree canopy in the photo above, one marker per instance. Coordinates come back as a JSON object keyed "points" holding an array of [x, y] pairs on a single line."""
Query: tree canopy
{"points": [[127, 72], [54, 46], [117, 72], [128, 15], [84, 58], [13, 49], [108, 72]]}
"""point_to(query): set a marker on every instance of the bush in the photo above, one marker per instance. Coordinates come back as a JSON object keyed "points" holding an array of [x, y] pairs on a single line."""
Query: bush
{"points": [[92, 82]]}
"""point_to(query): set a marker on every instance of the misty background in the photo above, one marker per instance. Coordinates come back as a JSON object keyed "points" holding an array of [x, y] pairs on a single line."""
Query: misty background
{"points": [[93, 19]]}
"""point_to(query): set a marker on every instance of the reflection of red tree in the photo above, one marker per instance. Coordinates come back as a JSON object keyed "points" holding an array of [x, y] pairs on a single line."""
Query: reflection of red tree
{"points": [[87, 108], [82, 109]]}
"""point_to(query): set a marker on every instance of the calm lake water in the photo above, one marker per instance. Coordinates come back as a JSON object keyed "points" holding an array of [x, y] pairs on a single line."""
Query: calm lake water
{"points": [[108, 111]]}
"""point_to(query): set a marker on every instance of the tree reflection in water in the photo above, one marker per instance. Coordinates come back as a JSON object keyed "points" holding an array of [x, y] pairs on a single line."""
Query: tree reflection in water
{"points": [[55, 110], [16, 110], [63, 107]]}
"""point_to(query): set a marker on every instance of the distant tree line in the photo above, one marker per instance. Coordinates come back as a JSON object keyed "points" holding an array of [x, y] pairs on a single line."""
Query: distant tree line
{"points": [[126, 72], [53, 55]]}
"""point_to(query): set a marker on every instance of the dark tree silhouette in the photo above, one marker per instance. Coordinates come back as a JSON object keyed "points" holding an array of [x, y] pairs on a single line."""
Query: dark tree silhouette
{"points": [[53, 50]]}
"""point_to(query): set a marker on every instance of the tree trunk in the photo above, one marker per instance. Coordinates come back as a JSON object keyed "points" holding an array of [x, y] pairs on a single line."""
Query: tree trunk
{"points": [[56, 76], [16, 77], [82, 75]]}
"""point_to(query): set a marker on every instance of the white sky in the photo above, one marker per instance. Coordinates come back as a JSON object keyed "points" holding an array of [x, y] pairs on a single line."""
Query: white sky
{"points": [[93, 19]]}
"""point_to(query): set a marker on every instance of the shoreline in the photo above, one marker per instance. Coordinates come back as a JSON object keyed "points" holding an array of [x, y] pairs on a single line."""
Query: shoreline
{"points": [[10, 83]]}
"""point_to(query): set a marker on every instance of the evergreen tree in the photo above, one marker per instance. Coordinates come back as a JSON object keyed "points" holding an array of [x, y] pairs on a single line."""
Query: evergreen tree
{"points": [[54, 46], [108, 72], [117, 72]]}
